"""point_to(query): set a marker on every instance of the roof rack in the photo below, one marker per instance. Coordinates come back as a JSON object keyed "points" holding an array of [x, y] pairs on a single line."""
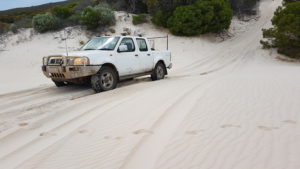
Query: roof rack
{"points": [[162, 37]]}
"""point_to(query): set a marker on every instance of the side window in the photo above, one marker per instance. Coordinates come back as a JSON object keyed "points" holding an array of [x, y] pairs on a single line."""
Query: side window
{"points": [[129, 43], [142, 45]]}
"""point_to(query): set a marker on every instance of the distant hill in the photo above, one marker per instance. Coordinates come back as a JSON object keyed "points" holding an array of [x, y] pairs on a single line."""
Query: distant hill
{"points": [[42, 7]]}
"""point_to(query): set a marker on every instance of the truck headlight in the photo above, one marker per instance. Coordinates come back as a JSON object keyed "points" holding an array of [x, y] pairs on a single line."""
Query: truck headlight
{"points": [[81, 61]]}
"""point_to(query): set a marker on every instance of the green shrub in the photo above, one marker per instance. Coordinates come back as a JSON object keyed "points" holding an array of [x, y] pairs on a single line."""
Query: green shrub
{"points": [[222, 14], [13, 28], [4, 27], [200, 18], [97, 16], [25, 22], [285, 35], [74, 19], [62, 11], [188, 21], [45, 22], [290, 1], [139, 19], [160, 18]]}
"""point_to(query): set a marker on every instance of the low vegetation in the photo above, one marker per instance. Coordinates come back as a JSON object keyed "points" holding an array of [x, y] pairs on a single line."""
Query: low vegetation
{"points": [[45, 17], [64, 12], [202, 17], [139, 19], [4, 27], [45, 22], [285, 33], [182, 17], [97, 16]]}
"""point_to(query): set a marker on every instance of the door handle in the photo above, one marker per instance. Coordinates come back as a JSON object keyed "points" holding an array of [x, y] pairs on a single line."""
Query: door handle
{"points": [[136, 55], [148, 54]]}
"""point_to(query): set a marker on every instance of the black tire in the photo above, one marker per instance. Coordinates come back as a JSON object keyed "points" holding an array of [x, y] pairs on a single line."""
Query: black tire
{"points": [[159, 71], [59, 83], [106, 79]]}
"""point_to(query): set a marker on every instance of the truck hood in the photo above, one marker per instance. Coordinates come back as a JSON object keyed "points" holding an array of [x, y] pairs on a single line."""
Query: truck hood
{"points": [[89, 53], [95, 56]]}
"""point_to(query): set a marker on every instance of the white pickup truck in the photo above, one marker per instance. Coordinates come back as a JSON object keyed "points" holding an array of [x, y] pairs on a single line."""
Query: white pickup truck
{"points": [[104, 61]]}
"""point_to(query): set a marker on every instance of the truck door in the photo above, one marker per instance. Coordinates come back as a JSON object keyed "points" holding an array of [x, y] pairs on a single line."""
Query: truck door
{"points": [[127, 61], [145, 58]]}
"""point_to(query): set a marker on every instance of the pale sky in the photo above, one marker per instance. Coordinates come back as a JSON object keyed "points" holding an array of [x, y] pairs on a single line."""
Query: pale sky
{"points": [[9, 4]]}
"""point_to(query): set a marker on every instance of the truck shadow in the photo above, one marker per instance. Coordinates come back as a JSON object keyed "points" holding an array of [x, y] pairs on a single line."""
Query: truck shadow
{"points": [[133, 81], [73, 89]]}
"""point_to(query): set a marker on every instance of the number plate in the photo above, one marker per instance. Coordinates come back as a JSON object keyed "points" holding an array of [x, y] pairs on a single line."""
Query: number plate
{"points": [[53, 69]]}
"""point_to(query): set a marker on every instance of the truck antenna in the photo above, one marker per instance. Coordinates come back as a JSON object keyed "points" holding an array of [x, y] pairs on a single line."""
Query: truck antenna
{"points": [[66, 44]]}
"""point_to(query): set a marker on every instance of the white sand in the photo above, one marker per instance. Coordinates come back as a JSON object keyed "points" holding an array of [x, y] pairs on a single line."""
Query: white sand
{"points": [[225, 105]]}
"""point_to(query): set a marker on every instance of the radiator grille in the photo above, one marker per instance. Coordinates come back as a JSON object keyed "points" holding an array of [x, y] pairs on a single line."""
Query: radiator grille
{"points": [[57, 75]]}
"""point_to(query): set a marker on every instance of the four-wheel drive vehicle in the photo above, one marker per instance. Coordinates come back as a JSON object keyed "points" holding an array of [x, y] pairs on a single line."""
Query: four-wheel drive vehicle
{"points": [[103, 61]]}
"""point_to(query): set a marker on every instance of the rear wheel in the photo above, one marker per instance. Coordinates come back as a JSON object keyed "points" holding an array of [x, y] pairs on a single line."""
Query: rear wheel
{"points": [[159, 71], [104, 80]]}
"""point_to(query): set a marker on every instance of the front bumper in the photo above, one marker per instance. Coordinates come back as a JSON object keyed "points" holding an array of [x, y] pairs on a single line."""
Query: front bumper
{"points": [[69, 72]]}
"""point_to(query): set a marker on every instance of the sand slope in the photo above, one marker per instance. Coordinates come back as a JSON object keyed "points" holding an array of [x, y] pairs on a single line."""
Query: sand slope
{"points": [[225, 105]]}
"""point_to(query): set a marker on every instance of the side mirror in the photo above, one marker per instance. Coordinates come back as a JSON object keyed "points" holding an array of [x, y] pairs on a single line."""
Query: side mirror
{"points": [[123, 48]]}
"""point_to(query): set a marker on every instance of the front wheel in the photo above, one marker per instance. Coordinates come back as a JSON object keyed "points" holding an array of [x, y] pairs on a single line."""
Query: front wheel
{"points": [[104, 80], [159, 71]]}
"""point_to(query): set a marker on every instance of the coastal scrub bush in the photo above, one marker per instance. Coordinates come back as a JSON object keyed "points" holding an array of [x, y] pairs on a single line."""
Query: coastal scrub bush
{"points": [[64, 12], [13, 28], [222, 14], [188, 21], [285, 33], [98, 16], [200, 18], [161, 17], [4, 27], [25, 22], [290, 1], [73, 19], [45, 22], [139, 19]]}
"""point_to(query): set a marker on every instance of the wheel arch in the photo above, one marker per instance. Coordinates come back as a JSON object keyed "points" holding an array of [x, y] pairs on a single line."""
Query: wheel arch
{"points": [[162, 61], [112, 66]]}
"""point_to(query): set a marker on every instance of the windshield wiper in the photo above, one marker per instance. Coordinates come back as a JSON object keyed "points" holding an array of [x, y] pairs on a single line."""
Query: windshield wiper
{"points": [[89, 49], [105, 49]]}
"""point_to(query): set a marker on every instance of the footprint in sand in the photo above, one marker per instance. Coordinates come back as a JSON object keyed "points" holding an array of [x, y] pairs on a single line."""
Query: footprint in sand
{"points": [[267, 128], [47, 134], [142, 131], [82, 131], [230, 126], [108, 137], [193, 132], [23, 124], [113, 138], [118, 138], [289, 121]]}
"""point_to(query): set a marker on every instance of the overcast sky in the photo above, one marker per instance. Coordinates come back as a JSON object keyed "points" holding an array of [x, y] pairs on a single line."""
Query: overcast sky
{"points": [[9, 4]]}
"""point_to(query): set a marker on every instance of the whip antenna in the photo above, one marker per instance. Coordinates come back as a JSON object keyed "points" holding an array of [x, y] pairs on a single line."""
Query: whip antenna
{"points": [[66, 44]]}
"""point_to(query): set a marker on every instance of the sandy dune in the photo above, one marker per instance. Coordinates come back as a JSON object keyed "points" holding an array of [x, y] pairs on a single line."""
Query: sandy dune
{"points": [[225, 105]]}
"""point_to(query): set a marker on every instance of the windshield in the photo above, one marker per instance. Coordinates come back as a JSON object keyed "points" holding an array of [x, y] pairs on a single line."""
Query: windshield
{"points": [[102, 43]]}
